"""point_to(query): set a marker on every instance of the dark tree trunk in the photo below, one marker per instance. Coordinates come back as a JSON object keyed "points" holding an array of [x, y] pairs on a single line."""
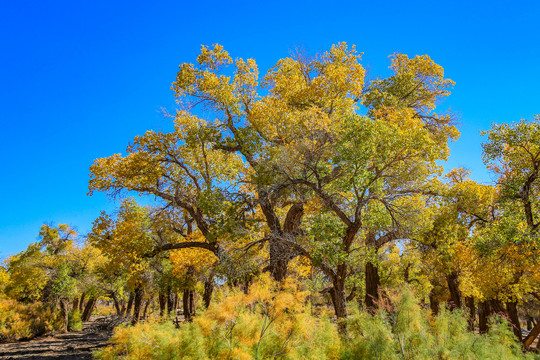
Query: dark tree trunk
{"points": [[75, 304], [89, 308], [116, 304], [469, 301], [162, 304], [280, 252], [81, 302], [175, 302], [137, 306], [188, 301], [64, 311], [208, 290], [170, 302], [527, 342], [373, 282], [146, 308], [129, 304], [337, 292], [280, 255], [433, 303], [484, 311], [511, 310], [455, 294]]}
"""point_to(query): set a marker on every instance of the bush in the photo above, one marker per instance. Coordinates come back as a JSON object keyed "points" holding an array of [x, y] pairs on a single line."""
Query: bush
{"points": [[275, 322], [24, 321], [74, 321]]}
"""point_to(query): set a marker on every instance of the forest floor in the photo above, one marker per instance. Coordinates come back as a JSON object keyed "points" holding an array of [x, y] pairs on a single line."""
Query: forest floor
{"points": [[74, 345]]}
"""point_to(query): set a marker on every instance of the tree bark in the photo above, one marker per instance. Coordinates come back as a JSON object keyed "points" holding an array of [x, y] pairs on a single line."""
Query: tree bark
{"points": [[116, 304], [469, 301], [189, 304], [170, 302], [373, 282], [484, 311], [75, 304], [162, 304], [146, 307], [89, 308], [511, 310], [130, 304], [208, 290], [64, 311], [81, 302], [137, 306], [527, 342], [455, 294]]}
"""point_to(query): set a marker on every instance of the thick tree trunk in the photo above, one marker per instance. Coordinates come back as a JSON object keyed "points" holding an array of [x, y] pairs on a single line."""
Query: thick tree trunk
{"points": [[175, 302], [527, 342], [208, 290], [146, 308], [75, 304], [373, 283], [116, 304], [433, 303], [170, 302], [484, 311], [280, 255], [137, 306], [188, 301], [129, 304], [511, 310], [88, 309], [64, 311], [469, 301], [455, 294], [162, 304], [81, 302], [339, 298]]}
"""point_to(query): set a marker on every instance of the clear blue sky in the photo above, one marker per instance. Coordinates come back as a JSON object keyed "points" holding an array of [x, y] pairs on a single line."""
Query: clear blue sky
{"points": [[81, 78]]}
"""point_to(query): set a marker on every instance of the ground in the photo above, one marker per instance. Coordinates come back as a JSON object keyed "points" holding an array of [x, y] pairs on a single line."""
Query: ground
{"points": [[71, 346]]}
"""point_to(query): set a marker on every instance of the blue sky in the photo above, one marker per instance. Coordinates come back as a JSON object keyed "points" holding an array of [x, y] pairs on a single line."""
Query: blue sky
{"points": [[81, 78]]}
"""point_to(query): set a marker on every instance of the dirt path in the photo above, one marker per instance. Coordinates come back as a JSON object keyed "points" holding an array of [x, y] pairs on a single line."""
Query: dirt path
{"points": [[71, 346]]}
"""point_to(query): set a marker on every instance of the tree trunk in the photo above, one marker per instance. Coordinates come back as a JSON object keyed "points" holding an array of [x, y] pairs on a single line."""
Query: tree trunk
{"points": [[64, 311], [162, 304], [170, 302], [373, 282], [511, 310], [81, 302], [469, 301], [175, 302], [129, 304], [89, 308], [484, 312], [340, 304], [208, 289], [146, 308], [280, 255], [137, 306], [455, 294], [189, 304], [433, 303], [116, 304], [527, 342]]}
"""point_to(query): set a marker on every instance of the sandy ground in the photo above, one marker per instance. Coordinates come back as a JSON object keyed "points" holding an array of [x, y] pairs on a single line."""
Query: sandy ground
{"points": [[70, 346]]}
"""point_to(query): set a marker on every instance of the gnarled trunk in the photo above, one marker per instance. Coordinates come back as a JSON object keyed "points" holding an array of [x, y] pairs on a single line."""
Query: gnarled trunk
{"points": [[137, 306], [527, 342], [130, 304], [484, 311], [89, 308], [455, 294], [162, 304], [373, 283], [469, 301], [64, 311], [511, 310], [188, 301], [208, 290], [337, 292], [170, 302], [116, 304]]}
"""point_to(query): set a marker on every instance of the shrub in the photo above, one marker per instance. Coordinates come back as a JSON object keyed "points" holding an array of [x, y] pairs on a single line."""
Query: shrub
{"points": [[22, 321], [75, 321]]}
